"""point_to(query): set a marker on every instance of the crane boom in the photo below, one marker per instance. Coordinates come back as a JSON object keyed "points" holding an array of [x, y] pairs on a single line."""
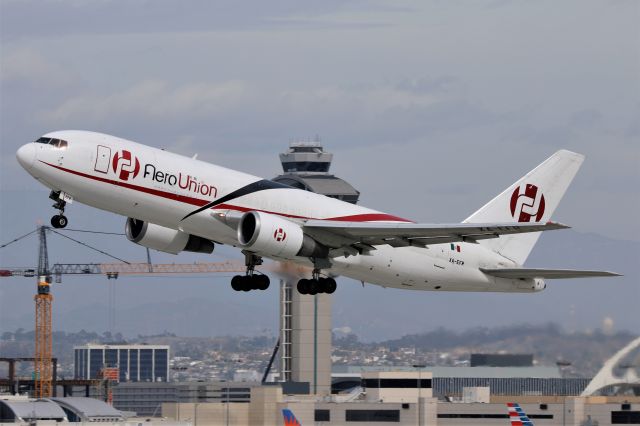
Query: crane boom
{"points": [[113, 270]]}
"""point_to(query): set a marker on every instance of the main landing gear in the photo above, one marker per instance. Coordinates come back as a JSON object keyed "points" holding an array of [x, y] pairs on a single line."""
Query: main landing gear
{"points": [[317, 284], [59, 220], [252, 280]]}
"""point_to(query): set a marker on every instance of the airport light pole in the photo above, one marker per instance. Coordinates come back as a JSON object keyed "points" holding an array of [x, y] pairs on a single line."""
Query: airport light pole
{"points": [[419, 367]]}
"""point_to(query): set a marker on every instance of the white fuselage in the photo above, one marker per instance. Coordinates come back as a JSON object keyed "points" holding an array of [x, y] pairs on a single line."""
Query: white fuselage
{"points": [[160, 187]]}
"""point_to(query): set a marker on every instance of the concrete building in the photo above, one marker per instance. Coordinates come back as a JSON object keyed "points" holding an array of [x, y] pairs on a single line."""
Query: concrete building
{"points": [[135, 363], [146, 398], [403, 406], [305, 320], [397, 386], [449, 382], [305, 330], [267, 402]]}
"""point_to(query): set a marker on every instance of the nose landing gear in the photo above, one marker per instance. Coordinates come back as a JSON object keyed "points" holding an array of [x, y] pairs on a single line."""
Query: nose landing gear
{"points": [[59, 220]]}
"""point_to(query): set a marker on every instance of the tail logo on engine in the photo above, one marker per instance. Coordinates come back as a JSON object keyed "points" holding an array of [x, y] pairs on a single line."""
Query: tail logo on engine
{"points": [[527, 203], [279, 235], [125, 165]]}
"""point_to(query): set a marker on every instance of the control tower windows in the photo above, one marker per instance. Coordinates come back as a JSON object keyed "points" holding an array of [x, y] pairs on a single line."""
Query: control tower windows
{"points": [[306, 166]]}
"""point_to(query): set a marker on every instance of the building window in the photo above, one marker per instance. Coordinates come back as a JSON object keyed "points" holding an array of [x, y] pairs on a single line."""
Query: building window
{"points": [[133, 363], [396, 383], [322, 416], [625, 417], [490, 416], [111, 358], [372, 416], [96, 362], [161, 364], [146, 365]]}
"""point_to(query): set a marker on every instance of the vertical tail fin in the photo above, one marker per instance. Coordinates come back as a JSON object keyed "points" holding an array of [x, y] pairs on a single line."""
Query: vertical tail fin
{"points": [[289, 418], [517, 415], [533, 198]]}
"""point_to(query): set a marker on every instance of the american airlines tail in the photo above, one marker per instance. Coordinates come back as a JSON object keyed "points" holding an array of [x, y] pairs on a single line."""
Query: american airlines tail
{"points": [[517, 415], [290, 418], [533, 198]]}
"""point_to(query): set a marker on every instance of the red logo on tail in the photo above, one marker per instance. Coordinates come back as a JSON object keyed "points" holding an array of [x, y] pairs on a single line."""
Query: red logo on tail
{"points": [[124, 165], [527, 203], [279, 235]]}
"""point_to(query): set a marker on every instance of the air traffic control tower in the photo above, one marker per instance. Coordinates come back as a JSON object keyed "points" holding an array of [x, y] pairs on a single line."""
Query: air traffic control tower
{"points": [[305, 320]]}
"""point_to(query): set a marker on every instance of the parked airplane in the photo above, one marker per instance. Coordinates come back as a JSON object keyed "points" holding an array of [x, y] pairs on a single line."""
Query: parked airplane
{"points": [[289, 418], [517, 415], [175, 203]]}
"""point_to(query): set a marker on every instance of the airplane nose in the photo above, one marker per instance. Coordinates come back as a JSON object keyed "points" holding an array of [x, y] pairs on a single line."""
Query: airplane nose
{"points": [[26, 155]]}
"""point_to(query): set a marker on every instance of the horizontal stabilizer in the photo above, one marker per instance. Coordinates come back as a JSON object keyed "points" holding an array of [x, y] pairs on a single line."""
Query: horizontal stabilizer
{"points": [[523, 273]]}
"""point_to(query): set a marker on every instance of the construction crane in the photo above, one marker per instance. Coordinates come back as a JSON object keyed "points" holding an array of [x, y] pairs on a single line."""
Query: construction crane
{"points": [[43, 299], [43, 364]]}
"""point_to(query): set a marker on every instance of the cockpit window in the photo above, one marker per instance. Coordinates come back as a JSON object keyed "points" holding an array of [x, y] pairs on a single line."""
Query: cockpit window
{"points": [[60, 144], [57, 143]]}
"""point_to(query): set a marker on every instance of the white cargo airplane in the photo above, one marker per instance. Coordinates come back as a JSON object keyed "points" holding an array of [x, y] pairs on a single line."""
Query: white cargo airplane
{"points": [[175, 203]]}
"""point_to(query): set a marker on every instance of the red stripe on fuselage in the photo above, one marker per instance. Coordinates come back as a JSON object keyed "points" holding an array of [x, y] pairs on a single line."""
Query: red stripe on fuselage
{"points": [[176, 197], [366, 217]]}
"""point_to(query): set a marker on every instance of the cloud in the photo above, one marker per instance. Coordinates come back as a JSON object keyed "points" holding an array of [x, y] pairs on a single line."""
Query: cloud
{"points": [[60, 18], [151, 99], [214, 104], [29, 65]]}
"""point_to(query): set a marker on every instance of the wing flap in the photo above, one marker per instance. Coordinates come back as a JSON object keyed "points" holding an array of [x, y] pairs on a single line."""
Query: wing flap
{"points": [[524, 273]]}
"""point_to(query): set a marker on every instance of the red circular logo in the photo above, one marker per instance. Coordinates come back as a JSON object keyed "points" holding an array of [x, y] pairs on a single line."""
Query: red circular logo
{"points": [[527, 203], [125, 165], [279, 235]]}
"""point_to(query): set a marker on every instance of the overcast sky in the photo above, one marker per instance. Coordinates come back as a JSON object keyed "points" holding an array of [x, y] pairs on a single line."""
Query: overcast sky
{"points": [[430, 107]]}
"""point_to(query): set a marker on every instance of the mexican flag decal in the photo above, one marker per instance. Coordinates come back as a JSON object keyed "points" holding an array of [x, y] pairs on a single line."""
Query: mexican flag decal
{"points": [[455, 247]]}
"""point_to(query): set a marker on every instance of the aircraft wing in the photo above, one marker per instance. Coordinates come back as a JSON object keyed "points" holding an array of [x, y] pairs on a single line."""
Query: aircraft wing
{"points": [[360, 237], [518, 273]]}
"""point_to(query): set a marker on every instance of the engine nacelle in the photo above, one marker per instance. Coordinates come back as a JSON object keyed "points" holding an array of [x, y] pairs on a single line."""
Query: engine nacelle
{"points": [[275, 236], [531, 284], [164, 239], [539, 284]]}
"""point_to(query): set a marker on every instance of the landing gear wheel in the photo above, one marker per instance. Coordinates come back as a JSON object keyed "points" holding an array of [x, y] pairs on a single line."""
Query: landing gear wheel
{"points": [[330, 285], [314, 287], [236, 283], [246, 283], [303, 286], [326, 285], [262, 282], [59, 221]]}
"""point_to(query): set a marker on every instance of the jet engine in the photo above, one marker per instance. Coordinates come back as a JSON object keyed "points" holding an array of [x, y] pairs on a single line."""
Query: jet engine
{"points": [[275, 236], [531, 284], [165, 239]]}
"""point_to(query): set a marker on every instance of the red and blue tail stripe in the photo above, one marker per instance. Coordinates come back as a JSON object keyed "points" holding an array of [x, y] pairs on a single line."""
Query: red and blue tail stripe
{"points": [[517, 415], [289, 418]]}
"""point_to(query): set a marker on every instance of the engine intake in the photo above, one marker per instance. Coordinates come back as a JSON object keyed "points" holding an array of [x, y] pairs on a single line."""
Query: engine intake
{"points": [[275, 236], [164, 239]]}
